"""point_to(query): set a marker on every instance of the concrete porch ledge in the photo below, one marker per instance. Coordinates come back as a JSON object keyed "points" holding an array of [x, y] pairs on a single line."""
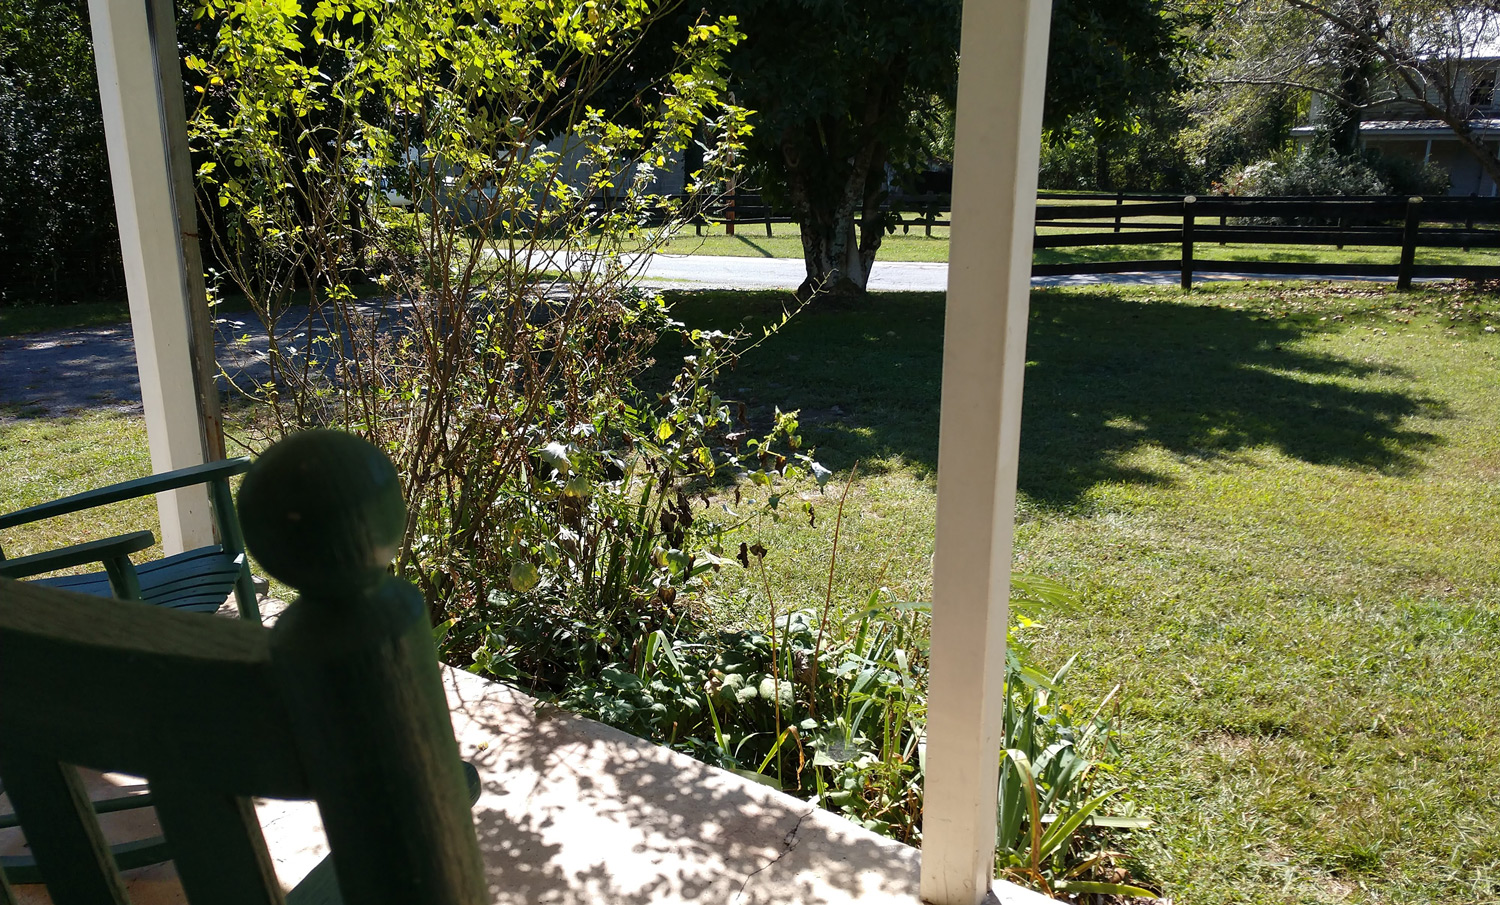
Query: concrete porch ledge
{"points": [[577, 812], [574, 812]]}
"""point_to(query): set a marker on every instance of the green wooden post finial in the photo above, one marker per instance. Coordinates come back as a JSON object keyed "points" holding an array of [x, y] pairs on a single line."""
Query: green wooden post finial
{"points": [[322, 511]]}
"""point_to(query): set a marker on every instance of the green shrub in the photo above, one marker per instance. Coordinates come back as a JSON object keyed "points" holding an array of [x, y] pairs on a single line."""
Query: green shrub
{"points": [[1052, 830], [510, 323], [1316, 171]]}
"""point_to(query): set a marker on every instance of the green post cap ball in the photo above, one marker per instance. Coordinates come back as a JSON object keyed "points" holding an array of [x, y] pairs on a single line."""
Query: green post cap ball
{"points": [[322, 512]]}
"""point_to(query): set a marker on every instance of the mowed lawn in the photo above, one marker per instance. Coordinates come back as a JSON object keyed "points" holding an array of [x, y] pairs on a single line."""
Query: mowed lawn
{"points": [[750, 241], [1280, 507]]}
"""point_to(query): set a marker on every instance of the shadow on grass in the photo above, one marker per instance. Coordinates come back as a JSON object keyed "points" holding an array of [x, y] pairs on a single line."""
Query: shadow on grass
{"points": [[1107, 375], [751, 243]]}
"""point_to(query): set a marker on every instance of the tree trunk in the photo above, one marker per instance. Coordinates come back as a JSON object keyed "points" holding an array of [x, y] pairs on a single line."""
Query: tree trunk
{"points": [[837, 256], [1102, 182], [835, 181], [1355, 60]]}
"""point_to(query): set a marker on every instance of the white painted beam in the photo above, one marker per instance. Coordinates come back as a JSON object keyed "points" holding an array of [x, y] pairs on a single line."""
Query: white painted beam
{"points": [[1002, 71], [174, 110], [141, 173]]}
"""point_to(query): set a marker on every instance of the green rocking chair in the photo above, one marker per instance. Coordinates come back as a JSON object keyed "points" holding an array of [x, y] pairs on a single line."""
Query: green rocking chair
{"points": [[341, 702], [197, 580]]}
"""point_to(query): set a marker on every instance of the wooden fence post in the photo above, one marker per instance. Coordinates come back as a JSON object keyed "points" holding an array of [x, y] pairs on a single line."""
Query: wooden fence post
{"points": [[1187, 241], [729, 212], [1119, 208], [1409, 242], [1469, 221]]}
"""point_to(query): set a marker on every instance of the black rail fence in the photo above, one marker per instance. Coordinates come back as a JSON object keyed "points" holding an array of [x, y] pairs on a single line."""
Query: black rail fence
{"points": [[748, 210], [1197, 224], [1402, 224]]}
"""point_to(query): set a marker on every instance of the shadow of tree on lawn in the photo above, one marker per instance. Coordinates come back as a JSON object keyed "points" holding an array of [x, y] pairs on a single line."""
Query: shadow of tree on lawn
{"points": [[1106, 377]]}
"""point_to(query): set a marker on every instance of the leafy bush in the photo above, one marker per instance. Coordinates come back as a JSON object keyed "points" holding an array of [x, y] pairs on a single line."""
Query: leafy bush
{"points": [[1316, 171], [58, 242], [1307, 173], [452, 151], [1052, 830], [609, 536]]}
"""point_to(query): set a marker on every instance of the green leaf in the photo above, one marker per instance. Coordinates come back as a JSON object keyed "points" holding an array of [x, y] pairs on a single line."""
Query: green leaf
{"points": [[1062, 830], [1103, 889], [761, 778], [524, 576], [556, 455]]}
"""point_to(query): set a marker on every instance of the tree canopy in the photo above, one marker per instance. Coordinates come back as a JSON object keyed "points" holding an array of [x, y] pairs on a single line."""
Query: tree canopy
{"points": [[57, 215], [1359, 55], [841, 92]]}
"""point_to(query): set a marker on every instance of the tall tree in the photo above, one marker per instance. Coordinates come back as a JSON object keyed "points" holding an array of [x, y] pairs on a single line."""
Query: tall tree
{"points": [[1370, 55], [1109, 65], [850, 92], [841, 90], [57, 215]]}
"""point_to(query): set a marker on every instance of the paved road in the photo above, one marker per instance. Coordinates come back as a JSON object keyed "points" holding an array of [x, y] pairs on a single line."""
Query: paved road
{"points": [[95, 368], [707, 272]]}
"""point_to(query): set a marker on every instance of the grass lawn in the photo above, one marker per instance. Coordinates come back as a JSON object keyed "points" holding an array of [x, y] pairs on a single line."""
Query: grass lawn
{"points": [[1280, 506], [1282, 511], [18, 321], [43, 459], [750, 241]]}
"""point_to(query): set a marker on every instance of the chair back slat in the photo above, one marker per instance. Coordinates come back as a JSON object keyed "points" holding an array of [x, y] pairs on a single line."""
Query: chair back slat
{"points": [[120, 685], [61, 829], [341, 702], [217, 845]]}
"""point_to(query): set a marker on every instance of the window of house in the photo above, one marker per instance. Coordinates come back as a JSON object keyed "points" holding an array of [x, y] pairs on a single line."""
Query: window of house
{"points": [[1482, 93]]}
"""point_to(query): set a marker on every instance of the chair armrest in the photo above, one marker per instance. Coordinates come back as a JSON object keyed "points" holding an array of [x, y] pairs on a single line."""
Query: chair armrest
{"points": [[77, 555], [129, 490]]}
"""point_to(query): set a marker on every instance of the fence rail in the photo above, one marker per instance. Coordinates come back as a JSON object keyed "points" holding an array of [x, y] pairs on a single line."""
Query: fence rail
{"points": [[1407, 224], [1192, 223], [749, 209]]}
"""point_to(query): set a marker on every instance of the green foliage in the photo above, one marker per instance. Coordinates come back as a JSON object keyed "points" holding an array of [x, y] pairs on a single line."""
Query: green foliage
{"points": [[1230, 127], [1114, 70], [1141, 155], [57, 219], [834, 718], [1050, 797], [1314, 170], [451, 152], [1108, 60], [841, 91]]}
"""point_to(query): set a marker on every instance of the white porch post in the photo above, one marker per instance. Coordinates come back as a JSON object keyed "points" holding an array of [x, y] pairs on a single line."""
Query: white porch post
{"points": [[141, 172], [1003, 67]]}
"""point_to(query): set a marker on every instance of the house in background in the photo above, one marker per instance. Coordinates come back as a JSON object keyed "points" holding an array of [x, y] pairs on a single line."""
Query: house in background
{"points": [[1401, 127]]}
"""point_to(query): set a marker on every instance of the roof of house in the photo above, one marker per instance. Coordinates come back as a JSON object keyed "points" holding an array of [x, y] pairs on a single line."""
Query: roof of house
{"points": [[1416, 128]]}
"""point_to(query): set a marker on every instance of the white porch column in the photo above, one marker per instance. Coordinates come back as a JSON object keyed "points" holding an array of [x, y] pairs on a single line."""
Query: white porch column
{"points": [[1003, 68], [141, 172]]}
